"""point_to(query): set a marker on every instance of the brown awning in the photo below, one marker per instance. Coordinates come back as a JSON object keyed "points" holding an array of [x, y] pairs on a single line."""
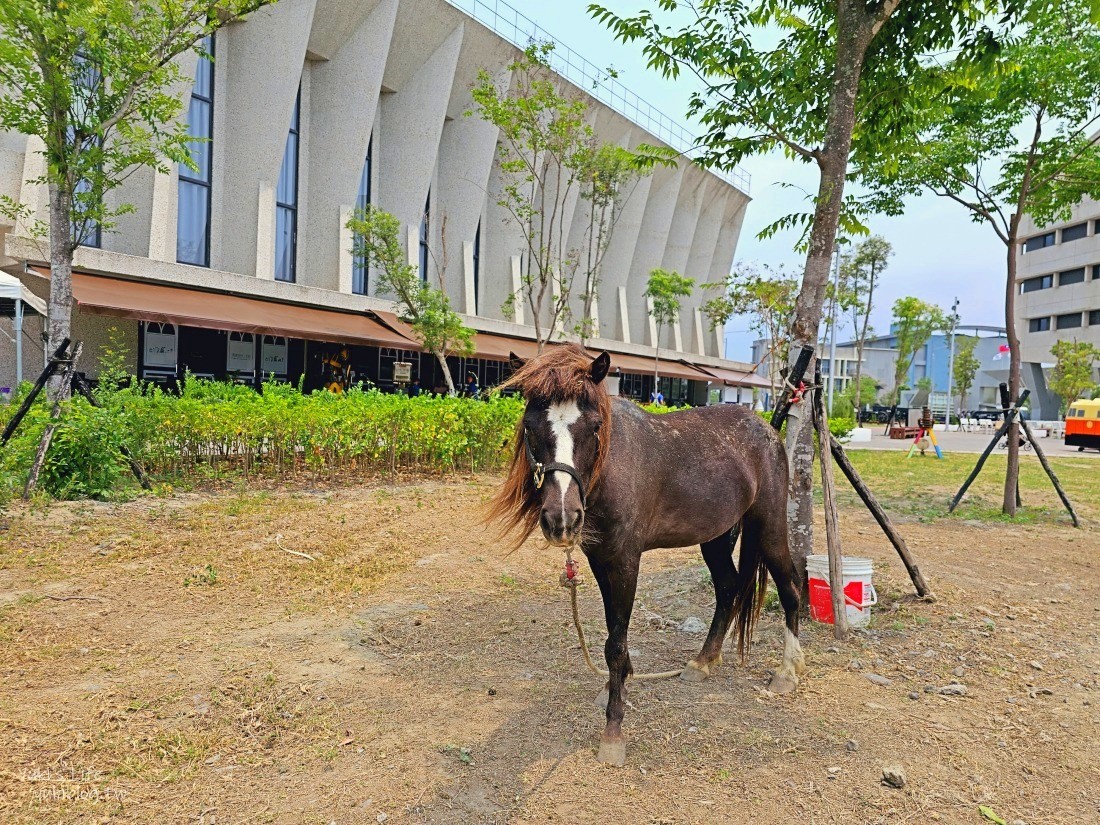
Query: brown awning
{"points": [[733, 378], [486, 345], [149, 301], [666, 368]]}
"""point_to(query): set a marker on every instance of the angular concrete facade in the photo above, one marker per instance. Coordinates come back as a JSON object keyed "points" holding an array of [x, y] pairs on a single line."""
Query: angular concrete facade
{"points": [[394, 75]]}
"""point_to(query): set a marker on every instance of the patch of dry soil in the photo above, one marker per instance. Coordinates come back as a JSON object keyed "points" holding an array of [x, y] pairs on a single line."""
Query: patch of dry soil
{"points": [[183, 660]]}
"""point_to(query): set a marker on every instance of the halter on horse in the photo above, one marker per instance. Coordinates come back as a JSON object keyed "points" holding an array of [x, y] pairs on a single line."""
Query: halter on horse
{"points": [[603, 474]]}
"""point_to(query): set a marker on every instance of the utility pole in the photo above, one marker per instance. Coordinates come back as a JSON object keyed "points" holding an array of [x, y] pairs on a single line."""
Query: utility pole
{"points": [[832, 327], [951, 364]]}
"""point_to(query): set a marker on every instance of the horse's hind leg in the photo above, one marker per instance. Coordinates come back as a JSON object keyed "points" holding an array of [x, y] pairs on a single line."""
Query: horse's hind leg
{"points": [[718, 554], [788, 584]]}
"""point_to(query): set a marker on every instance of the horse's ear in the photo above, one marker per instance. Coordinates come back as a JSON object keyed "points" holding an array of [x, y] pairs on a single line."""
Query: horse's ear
{"points": [[600, 366], [515, 362]]}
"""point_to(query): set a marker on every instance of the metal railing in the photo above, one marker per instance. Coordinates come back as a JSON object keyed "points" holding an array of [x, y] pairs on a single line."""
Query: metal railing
{"points": [[521, 31]]}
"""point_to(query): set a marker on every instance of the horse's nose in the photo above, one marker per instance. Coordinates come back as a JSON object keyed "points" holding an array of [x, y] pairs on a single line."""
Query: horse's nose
{"points": [[575, 521]]}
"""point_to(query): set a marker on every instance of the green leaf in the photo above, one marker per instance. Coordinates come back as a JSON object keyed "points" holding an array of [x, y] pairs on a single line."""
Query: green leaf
{"points": [[991, 815]]}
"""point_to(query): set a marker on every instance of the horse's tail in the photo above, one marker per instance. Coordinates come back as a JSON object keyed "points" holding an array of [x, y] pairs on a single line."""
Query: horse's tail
{"points": [[752, 587]]}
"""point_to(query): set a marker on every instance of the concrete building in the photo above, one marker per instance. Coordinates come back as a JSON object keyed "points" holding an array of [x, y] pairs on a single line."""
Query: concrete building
{"points": [[244, 268], [1058, 295]]}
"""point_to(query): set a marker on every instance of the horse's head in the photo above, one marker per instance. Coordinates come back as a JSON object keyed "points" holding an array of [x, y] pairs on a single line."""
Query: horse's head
{"points": [[561, 443]]}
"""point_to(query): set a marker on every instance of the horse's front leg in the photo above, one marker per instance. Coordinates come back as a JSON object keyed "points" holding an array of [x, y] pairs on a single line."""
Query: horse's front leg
{"points": [[617, 577]]}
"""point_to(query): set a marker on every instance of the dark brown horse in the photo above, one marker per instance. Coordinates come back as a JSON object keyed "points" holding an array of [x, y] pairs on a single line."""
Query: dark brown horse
{"points": [[604, 474]]}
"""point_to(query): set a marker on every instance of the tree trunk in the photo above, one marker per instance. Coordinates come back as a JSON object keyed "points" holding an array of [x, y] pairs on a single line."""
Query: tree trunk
{"points": [[59, 323], [852, 40], [442, 359], [1012, 472], [857, 399], [656, 363]]}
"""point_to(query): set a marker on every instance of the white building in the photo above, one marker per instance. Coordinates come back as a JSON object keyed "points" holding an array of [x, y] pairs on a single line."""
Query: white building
{"points": [[312, 106], [1058, 295]]}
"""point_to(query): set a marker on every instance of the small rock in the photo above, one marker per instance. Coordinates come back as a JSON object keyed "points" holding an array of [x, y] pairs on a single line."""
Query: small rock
{"points": [[881, 681], [693, 729], [1036, 665], [894, 776], [382, 817], [855, 664], [952, 690], [832, 650], [492, 692], [914, 695], [851, 746], [833, 771], [960, 671], [929, 688], [692, 624]]}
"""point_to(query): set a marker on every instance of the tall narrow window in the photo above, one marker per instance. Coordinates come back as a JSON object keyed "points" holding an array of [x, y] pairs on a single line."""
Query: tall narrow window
{"points": [[88, 77], [359, 279], [425, 234], [193, 210], [286, 203], [477, 267]]}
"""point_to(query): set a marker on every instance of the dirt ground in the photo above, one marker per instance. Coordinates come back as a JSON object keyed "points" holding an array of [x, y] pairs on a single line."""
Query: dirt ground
{"points": [[370, 654]]}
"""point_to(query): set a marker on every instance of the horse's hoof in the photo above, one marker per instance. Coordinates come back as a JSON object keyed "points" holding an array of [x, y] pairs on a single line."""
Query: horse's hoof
{"points": [[612, 753], [783, 683], [603, 699], [694, 673]]}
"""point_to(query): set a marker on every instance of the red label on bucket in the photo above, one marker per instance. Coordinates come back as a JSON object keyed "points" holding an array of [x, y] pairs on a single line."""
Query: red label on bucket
{"points": [[821, 599]]}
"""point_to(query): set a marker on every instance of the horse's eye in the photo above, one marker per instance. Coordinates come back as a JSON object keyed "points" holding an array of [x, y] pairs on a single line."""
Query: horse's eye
{"points": [[597, 425]]}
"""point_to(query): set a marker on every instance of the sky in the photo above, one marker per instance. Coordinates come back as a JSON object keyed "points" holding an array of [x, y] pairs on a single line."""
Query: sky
{"points": [[939, 254]]}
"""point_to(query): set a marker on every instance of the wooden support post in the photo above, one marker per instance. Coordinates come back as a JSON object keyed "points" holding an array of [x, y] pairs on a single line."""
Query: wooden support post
{"points": [[47, 373], [832, 528], [135, 468], [997, 436], [1006, 406], [794, 378], [1050, 472], [883, 520], [51, 428]]}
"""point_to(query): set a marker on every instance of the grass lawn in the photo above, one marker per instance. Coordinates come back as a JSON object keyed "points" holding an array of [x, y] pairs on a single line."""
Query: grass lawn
{"points": [[921, 488]]}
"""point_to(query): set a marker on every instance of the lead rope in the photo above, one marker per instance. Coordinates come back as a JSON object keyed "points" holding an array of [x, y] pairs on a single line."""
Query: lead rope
{"points": [[569, 580]]}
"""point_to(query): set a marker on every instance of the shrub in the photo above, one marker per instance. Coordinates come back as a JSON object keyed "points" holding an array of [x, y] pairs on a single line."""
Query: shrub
{"points": [[215, 428]]}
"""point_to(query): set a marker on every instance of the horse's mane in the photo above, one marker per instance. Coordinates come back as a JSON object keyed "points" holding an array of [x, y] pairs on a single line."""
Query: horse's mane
{"points": [[561, 373]]}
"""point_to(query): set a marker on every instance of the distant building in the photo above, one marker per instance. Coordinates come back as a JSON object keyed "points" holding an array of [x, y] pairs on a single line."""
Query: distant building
{"points": [[1058, 295], [932, 360]]}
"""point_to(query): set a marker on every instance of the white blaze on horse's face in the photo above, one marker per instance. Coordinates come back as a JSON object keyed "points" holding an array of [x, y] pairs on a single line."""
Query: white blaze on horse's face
{"points": [[560, 417]]}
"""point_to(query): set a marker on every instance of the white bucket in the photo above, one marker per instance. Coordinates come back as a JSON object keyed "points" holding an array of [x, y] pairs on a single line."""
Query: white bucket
{"points": [[859, 592]]}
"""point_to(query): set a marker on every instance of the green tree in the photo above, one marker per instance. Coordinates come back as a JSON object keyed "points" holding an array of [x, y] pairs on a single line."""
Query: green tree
{"points": [[1020, 140], [664, 291], [549, 155], [1074, 367], [861, 273], [914, 322], [606, 174], [97, 81], [376, 240], [828, 84], [767, 296], [966, 367], [868, 391]]}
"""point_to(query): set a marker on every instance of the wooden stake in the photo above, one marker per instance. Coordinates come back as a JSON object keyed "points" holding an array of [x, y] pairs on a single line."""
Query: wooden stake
{"points": [[832, 528], [47, 373], [883, 520], [985, 455], [47, 436], [1050, 472]]}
